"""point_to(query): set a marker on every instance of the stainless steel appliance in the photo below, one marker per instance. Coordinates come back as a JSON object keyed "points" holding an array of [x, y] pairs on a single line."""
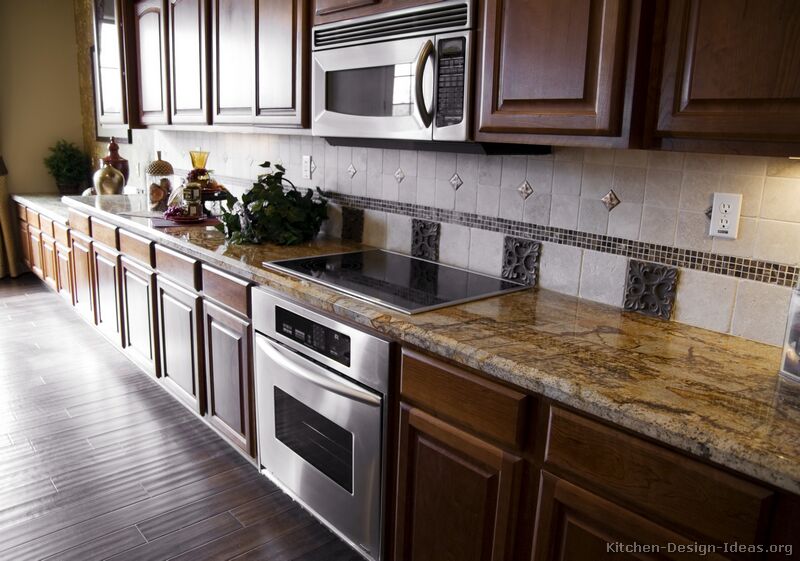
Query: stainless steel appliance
{"points": [[321, 389], [400, 282], [399, 75]]}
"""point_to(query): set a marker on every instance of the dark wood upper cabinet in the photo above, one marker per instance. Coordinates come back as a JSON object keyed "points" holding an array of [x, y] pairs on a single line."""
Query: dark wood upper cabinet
{"points": [[729, 70], [327, 11], [110, 78], [260, 56], [188, 34], [150, 31], [558, 71], [282, 37], [233, 39]]}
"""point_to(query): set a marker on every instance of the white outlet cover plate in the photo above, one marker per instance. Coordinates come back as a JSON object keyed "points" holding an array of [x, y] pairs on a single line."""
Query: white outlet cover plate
{"points": [[725, 213]]}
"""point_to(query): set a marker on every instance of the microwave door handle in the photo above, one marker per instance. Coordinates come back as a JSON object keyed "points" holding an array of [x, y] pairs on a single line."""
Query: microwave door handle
{"points": [[425, 54], [323, 380]]}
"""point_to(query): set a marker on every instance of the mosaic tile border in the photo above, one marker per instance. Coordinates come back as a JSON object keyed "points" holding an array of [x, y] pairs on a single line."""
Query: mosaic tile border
{"points": [[758, 270]]}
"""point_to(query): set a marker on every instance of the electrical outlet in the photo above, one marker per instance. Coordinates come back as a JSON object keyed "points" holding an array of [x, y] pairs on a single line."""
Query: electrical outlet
{"points": [[306, 167], [725, 213]]}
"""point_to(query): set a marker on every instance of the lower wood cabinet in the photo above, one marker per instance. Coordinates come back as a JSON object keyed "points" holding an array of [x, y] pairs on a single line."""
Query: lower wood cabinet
{"points": [[229, 374], [180, 336], [24, 243], [49, 271], [457, 494], [108, 311], [35, 245], [82, 275], [138, 288], [64, 271]]}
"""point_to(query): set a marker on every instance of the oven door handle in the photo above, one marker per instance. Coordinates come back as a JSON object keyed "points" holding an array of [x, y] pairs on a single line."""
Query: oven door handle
{"points": [[322, 379], [424, 55]]}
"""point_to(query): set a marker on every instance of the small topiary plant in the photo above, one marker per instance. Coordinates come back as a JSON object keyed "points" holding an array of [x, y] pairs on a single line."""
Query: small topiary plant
{"points": [[69, 165]]}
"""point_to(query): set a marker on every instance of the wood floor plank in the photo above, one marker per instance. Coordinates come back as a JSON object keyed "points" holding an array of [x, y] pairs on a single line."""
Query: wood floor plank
{"points": [[102, 547]]}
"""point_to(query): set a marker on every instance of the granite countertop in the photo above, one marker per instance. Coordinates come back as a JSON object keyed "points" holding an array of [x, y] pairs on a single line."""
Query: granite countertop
{"points": [[49, 205], [716, 396]]}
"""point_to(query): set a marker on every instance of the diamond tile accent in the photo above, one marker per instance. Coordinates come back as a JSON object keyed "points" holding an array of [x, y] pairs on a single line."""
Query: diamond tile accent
{"points": [[399, 175], [351, 170], [352, 224], [425, 239], [521, 260], [650, 289], [313, 167], [611, 200], [525, 190], [456, 181]]}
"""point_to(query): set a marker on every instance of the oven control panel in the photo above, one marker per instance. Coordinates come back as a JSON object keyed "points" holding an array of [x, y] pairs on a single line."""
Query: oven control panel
{"points": [[324, 340], [450, 86]]}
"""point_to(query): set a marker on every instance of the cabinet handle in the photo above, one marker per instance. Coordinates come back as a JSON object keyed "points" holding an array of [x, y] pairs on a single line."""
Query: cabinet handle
{"points": [[424, 55]]}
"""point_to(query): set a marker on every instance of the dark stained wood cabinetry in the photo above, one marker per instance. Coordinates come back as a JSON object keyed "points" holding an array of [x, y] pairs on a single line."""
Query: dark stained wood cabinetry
{"points": [[108, 313], [260, 56], [558, 71], [49, 272], [82, 275], [138, 287], [180, 339], [150, 32], [188, 41], [327, 11], [35, 250], [728, 71]]}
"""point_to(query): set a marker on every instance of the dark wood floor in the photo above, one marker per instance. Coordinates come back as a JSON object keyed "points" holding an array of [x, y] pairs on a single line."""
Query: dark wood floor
{"points": [[98, 462]]}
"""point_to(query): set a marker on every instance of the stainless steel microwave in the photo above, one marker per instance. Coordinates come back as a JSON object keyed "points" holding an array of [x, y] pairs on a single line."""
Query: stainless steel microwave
{"points": [[400, 75]]}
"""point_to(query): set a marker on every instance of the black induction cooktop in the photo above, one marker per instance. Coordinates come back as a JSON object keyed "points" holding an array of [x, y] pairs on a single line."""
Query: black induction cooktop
{"points": [[400, 282]]}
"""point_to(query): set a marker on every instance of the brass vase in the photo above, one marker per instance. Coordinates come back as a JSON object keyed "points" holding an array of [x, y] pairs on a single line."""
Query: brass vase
{"points": [[108, 180]]}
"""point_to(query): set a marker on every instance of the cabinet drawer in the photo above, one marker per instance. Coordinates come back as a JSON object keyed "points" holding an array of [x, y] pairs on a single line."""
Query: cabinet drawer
{"points": [[136, 247], [79, 221], [226, 289], [46, 225], [180, 268], [33, 217], [61, 234], [22, 214], [487, 408], [657, 481], [105, 233]]}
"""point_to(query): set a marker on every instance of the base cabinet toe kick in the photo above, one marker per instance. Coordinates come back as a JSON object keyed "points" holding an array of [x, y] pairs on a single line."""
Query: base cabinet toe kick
{"points": [[406, 456]]}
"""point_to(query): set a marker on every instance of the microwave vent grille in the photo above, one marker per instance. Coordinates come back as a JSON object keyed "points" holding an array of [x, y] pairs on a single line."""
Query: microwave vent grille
{"points": [[431, 18]]}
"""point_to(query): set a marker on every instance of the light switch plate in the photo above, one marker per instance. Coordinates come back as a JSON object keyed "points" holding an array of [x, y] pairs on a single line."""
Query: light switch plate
{"points": [[306, 167], [725, 213]]}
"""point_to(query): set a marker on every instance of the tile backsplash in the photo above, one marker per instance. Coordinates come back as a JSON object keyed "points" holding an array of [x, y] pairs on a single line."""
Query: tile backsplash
{"points": [[737, 286]]}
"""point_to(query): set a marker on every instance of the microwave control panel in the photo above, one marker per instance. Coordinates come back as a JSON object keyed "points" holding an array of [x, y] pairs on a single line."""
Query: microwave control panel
{"points": [[324, 340], [450, 85]]}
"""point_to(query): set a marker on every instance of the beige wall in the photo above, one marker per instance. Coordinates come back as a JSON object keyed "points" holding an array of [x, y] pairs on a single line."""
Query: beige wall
{"points": [[39, 93]]}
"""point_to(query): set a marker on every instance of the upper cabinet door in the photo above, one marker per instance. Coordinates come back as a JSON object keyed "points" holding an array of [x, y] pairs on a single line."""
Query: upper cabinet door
{"points": [[234, 60], [150, 30], [731, 70], [557, 67], [282, 81], [188, 61]]}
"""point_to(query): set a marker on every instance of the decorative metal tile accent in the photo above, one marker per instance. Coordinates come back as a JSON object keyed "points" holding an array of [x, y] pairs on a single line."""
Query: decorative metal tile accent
{"points": [[313, 166], [352, 223], [709, 211], [770, 272], [425, 239], [456, 182], [351, 170], [399, 175], [521, 260], [525, 190], [650, 289], [611, 200]]}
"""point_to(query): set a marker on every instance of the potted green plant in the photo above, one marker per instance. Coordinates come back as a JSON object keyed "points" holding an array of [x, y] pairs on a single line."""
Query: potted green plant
{"points": [[69, 165], [269, 212]]}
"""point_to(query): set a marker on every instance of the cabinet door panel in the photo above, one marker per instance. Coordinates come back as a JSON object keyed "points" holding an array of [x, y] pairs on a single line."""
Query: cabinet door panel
{"points": [[107, 297], [457, 493], [150, 29], [555, 66], [730, 70], [35, 244], [188, 84], [229, 374], [573, 524], [49, 261], [25, 243], [234, 60], [282, 44], [83, 276], [180, 337], [64, 271], [138, 297]]}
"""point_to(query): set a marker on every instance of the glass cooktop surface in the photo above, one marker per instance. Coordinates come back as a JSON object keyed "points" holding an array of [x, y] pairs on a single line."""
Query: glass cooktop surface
{"points": [[400, 282]]}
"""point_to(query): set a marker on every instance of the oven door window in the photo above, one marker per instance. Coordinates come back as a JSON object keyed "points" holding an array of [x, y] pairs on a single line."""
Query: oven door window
{"points": [[319, 441], [379, 91]]}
